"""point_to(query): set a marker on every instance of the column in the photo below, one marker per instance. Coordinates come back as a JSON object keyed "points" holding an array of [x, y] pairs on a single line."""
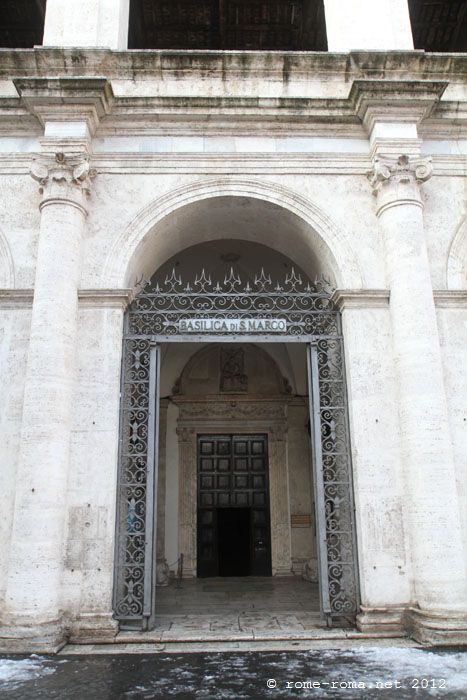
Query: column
{"points": [[364, 25], [88, 23], [427, 458], [33, 597]]}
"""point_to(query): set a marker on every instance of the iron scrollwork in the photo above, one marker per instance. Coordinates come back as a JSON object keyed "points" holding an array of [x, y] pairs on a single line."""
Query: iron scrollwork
{"points": [[163, 309], [337, 480], [310, 316]]}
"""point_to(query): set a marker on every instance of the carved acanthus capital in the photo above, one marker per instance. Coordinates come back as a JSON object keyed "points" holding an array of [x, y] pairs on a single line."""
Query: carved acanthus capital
{"points": [[70, 172], [402, 170]]}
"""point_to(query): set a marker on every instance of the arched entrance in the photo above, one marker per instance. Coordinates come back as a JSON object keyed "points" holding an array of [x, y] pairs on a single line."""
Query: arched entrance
{"points": [[231, 310]]}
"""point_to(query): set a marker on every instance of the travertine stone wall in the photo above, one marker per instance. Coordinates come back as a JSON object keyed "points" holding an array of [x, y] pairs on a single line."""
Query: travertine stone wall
{"points": [[173, 178], [15, 323]]}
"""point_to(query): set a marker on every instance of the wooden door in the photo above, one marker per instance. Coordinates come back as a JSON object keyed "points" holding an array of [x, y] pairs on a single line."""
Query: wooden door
{"points": [[233, 473]]}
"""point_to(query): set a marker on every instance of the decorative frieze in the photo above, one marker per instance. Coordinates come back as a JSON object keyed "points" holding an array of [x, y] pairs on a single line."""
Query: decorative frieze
{"points": [[265, 411]]}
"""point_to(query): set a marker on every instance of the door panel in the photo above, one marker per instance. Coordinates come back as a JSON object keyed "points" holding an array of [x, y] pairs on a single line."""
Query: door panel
{"points": [[233, 473]]}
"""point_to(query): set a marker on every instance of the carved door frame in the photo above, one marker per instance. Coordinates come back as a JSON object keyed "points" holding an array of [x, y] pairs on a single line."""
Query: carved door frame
{"points": [[196, 417]]}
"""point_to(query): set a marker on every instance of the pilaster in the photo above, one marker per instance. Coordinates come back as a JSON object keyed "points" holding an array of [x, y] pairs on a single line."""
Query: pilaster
{"points": [[187, 499], [281, 544]]}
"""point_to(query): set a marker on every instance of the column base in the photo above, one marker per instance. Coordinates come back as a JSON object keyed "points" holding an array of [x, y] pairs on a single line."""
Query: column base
{"points": [[437, 627], [93, 628], [384, 619], [40, 638]]}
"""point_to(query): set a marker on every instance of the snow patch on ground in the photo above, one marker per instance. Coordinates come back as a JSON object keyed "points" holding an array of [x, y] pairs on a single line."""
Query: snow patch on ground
{"points": [[227, 676], [16, 671], [373, 664]]}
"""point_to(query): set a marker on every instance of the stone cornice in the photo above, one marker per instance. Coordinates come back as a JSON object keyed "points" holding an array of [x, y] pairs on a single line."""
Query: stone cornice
{"points": [[395, 100], [394, 65], [88, 298], [16, 298], [66, 99], [193, 163], [450, 298], [105, 298], [171, 87], [360, 298], [342, 298]]}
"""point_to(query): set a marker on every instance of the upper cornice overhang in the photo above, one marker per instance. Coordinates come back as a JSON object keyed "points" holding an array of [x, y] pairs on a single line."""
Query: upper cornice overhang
{"points": [[224, 87]]}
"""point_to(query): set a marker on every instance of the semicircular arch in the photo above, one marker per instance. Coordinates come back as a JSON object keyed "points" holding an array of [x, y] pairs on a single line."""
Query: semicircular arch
{"points": [[126, 259]]}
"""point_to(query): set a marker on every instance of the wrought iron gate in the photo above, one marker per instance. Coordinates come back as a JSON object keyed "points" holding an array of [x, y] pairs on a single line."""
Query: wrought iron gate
{"points": [[258, 310]]}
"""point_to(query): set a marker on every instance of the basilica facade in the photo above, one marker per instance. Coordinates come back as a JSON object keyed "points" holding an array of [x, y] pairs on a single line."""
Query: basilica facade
{"points": [[233, 311]]}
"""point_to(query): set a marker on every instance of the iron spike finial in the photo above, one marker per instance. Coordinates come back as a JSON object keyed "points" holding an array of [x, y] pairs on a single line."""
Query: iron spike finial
{"points": [[232, 280], [203, 280], [173, 281], [293, 280], [262, 280]]}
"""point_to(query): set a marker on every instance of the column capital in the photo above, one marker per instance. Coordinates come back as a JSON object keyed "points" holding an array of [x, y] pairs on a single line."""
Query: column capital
{"points": [[63, 178], [397, 180]]}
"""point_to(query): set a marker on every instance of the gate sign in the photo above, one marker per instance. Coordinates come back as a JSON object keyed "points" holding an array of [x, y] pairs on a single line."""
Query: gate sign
{"points": [[232, 325]]}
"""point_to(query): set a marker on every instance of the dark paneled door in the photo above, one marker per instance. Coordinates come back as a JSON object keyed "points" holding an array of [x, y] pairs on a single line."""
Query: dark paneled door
{"points": [[234, 537]]}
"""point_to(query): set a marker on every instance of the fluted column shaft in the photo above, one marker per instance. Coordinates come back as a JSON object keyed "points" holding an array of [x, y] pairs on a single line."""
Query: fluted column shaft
{"points": [[434, 515], [36, 558]]}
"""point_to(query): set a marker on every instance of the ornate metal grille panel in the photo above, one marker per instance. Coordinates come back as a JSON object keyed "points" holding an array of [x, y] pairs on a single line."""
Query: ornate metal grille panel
{"points": [[333, 479], [293, 310], [169, 310]]}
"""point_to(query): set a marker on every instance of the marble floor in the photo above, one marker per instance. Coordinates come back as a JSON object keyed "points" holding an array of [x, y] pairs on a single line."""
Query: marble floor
{"points": [[235, 608]]}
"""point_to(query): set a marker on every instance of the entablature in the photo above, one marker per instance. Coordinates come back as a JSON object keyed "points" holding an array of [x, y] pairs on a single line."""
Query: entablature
{"points": [[234, 91]]}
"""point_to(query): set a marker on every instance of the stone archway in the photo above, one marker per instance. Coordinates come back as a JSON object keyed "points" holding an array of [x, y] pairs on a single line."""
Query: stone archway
{"points": [[145, 244], [292, 309]]}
